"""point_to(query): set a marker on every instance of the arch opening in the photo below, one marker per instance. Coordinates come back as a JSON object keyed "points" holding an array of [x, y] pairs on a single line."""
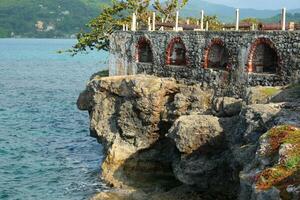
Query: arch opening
{"points": [[144, 51], [176, 53], [263, 57], [216, 55]]}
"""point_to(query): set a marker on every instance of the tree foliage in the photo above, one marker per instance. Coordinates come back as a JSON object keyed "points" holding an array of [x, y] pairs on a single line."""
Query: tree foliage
{"points": [[111, 18], [167, 9], [213, 23], [114, 16], [251, 20]]}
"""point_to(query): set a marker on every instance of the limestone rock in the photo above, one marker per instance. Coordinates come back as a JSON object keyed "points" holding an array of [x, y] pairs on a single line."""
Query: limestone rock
{"points": [[130, 115], [262, 95], [196, 132], [192, 100], [271, 194], [160, 135], [256, 119], [204, 156], [227, 106], [178, 193]]}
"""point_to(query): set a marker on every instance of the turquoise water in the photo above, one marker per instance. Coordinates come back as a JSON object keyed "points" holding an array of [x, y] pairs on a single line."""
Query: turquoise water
{"points": [[45, 148]]}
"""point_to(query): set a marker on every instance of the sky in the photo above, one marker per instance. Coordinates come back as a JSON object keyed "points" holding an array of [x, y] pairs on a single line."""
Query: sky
{"points": [[260, 4]]}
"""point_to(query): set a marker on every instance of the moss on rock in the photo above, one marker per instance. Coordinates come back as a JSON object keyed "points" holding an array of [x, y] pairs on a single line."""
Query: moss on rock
{"points": [[287, 171]]}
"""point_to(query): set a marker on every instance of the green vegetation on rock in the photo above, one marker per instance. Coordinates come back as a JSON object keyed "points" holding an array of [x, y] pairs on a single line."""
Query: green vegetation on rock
{"points": [[269, 91], [292, 162], [100, 74], [287, 171]]}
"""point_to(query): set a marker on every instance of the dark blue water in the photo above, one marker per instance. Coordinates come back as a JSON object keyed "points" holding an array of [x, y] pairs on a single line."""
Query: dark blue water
{"points": [[45, 148]]}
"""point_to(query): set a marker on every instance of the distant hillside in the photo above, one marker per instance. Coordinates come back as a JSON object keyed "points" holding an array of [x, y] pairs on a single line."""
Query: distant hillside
{"points": [[65, 18], [290, 17], [46, 18], [226, 13]]}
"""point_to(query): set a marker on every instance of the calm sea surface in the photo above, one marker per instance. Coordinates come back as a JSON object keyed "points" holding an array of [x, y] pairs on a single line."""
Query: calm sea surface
{"points": [[45, 149]]}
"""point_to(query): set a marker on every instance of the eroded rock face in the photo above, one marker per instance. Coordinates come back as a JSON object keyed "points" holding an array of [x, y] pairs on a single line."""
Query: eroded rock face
{"points": [[160, 135], [227, 106], [196, 133], [131, 116], [204, 160]]}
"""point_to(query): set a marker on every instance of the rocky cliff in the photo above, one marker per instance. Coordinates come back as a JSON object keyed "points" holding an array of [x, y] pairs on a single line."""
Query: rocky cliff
{"points": [[164, 139]]}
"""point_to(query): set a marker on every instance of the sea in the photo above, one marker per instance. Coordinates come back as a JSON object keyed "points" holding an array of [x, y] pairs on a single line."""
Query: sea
{"points": [[46, 152]]}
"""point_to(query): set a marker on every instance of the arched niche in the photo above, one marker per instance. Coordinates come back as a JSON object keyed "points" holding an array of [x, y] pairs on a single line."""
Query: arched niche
{"points": [[144, 52], [176, 52], [263, 57], [216, 55]]}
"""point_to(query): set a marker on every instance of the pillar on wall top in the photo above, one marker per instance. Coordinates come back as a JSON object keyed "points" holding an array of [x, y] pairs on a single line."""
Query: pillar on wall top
{"points": [[177, 20], [162, 21], [133, 25], [153, 21], [202, 20], [283, 18], [291, 26], [149, 23], [237, 21], [124, 27]]}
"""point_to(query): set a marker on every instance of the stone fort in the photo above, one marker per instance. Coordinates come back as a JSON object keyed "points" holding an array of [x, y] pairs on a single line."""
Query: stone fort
{"points": [[216, 59]]}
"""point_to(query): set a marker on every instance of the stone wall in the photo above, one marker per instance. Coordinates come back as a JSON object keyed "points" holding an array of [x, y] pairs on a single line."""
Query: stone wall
{"points": [[242, 50]]}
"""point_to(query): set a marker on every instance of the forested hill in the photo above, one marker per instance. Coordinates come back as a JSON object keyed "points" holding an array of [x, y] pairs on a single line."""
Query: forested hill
{"points": [[290, 17], [227, 13], [46, 18], [65, 18]]}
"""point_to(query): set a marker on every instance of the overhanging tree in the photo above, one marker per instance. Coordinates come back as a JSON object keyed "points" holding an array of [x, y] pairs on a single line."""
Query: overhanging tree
{"points": [[118, 13], [111, 18], [167, 9]]}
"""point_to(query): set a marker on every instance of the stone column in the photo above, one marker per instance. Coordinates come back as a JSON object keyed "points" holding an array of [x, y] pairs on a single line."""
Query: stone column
{"points": [[206, 28], [124, 27], [154, 22], [133, 25], [291, 26], [177, 19], [283, 19], [162, 21], [202, 19], [237, 22], [149, 23]]}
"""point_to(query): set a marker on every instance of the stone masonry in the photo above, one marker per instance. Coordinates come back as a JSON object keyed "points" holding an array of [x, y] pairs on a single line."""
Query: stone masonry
{"points": [[240, 53]]}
